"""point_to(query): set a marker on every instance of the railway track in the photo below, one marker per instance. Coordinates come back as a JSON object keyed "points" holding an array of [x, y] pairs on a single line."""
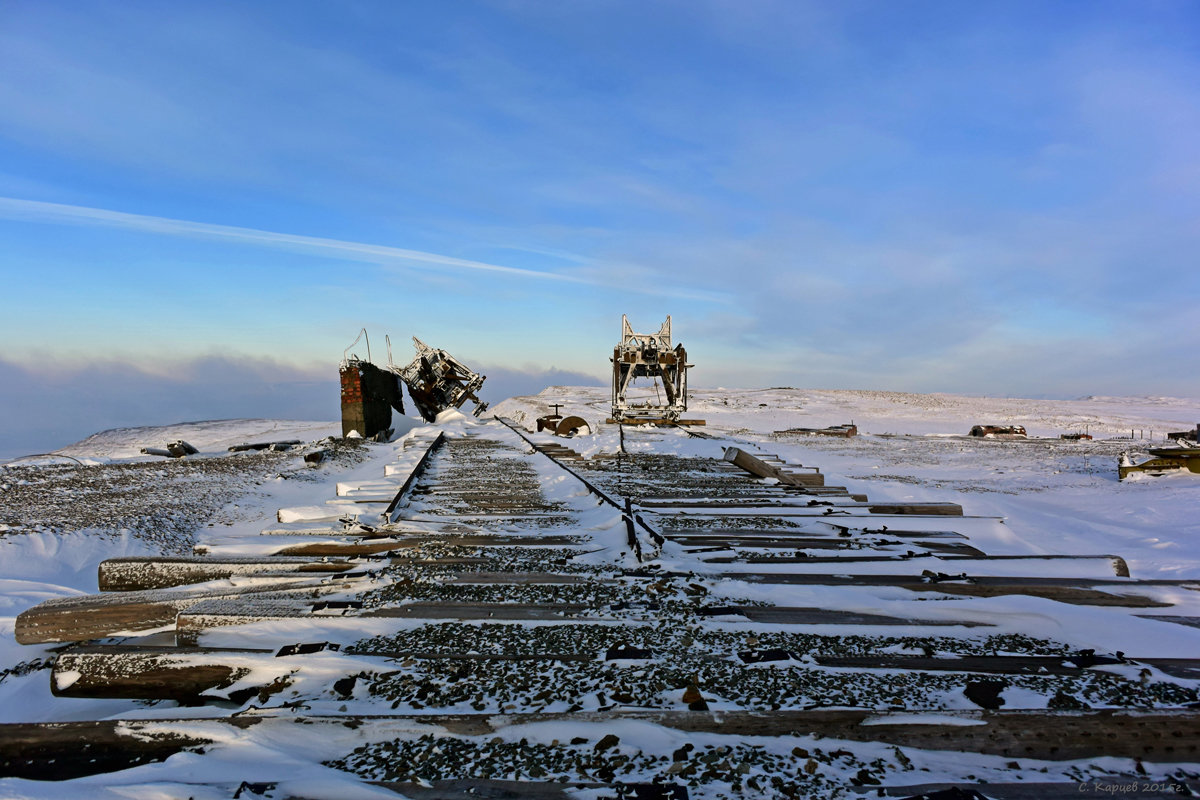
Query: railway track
{"points": [[497, 613]]}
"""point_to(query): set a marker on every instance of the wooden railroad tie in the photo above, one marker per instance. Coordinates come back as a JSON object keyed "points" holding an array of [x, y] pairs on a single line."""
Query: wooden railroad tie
{"points": [[75, 749]]}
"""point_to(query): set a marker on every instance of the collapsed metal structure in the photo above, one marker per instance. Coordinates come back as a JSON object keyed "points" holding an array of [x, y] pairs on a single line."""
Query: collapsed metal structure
{"points": [[649, 355], [998, 431], [435, 379], [1165, 461]]}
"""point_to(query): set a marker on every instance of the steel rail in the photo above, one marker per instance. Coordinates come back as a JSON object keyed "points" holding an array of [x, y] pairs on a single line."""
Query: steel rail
{"points": [[626, 509], [417, 470]]}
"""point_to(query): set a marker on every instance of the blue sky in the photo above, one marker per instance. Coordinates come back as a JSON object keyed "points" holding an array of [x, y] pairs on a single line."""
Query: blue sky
{"points": [[991, 198]]}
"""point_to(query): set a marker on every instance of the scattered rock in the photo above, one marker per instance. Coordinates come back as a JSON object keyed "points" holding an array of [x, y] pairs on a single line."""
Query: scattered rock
{"points": [[608, 741], [345, 686], [624, 651], [985, 694]]}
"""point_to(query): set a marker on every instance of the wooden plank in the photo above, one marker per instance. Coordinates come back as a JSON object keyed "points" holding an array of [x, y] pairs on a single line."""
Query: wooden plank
{"points": [[806, 559], [1188, 668], [1006, 665], [784, 542], [347, 528], [771, 492], [472, 494], [133, 574], [505, 611], [360, 547], [931, 509], [781, 533], [795, 615], [849, 508], [221, 612], [186, 674], [411, 561], [489, 789], [484, 518], [497, 540], [526, 578], [761, 469], [1102, 566], [819, 543], [1075, 591], [146, 673], [371, 487], [1119, 567], [880, 554], [136, 574], [872, 579], [765, 503], [1108, 786], [485, 506], [79, 623], [350, 548], [67, 750], [736, 492], [74, 749], [75, 619]]}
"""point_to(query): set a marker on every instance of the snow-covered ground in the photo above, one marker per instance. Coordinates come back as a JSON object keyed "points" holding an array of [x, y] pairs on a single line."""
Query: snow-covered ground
{"points": [[59, 518], [1055, 495]]}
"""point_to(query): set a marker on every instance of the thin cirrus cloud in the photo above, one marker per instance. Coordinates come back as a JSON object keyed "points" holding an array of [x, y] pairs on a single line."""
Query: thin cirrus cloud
{"points": [[58, 212], [383, 255]]}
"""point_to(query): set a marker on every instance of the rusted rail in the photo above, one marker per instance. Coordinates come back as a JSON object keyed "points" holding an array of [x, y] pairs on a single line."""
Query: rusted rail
{"points": [[631, 518], [417, 471]]}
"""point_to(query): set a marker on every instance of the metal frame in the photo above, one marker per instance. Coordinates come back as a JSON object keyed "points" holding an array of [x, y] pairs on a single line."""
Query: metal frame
{"points": [[437, 380], [649, 355]]}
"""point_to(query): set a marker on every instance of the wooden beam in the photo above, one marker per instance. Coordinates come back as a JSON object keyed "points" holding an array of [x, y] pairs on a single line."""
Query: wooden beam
{"points": [[1103, 566], [66, 750], [830, 510], [74, 749], [789, 615], [1076, 591], [849, 535], [761, 469], [77, 619], [363, 547], [133, 574], [499, 611], [146, 673]]}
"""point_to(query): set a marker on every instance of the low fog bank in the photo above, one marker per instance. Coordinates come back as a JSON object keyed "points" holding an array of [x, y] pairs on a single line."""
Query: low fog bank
{"points": [[47, 406]]}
